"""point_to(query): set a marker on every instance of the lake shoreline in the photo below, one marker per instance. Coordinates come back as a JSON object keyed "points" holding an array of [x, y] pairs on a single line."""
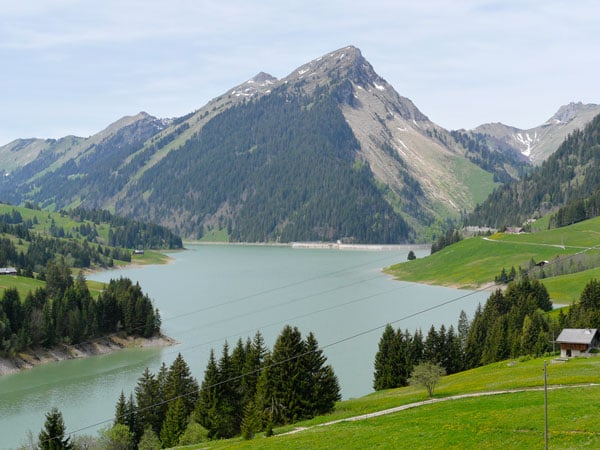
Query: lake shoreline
{"points": [[102, 346]]}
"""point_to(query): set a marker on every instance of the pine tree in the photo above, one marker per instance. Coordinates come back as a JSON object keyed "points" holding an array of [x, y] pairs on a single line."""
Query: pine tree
{"points": [[147, 392], [121, 409], [383, 377], [226, 416], [251, 421], [174, 424], [255, 355], [207, 397], [321, 389], [52, 436], [180, 383], [288, 374]]}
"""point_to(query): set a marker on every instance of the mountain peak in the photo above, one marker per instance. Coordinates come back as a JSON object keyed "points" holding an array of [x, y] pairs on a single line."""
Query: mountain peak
{"points": [[262, 79], [261, 83], [566, 113]]}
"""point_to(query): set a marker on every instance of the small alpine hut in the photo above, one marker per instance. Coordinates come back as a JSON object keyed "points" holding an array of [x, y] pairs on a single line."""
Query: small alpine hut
{"points": [[577, 341]]}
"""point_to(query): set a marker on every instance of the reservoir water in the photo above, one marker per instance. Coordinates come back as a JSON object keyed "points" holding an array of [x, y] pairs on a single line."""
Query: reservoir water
{"points": [[213, 293]]}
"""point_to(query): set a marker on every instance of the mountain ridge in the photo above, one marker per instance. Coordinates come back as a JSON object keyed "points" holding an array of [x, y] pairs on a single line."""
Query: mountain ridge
{"points": [[379, 140], [539, 142]]}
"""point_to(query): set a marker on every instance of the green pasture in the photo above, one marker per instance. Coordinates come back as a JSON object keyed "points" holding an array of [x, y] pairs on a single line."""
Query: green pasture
{"points": [[511, 420], [23, 285], [474, 262]]}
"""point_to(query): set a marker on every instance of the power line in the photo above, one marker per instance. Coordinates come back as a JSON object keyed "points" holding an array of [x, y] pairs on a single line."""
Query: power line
{"points": [[331, 344]]}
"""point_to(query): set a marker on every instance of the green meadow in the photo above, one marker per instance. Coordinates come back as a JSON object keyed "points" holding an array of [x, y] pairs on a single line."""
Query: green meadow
{"points": [[475, 262], [508, 420]]}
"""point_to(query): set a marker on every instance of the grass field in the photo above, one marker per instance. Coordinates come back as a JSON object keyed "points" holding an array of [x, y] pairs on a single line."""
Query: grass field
{"points": [[513, 420], [475, 262]]}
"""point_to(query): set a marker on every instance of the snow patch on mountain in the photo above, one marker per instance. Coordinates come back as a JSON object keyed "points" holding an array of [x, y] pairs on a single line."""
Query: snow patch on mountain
{"points": [[527, 142]]}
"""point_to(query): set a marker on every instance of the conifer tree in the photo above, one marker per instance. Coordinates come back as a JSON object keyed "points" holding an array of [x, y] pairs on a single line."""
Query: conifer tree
{"points": [[174, 424], [52, 436], [121, 409], [383, 377], [255, 355], [180, 383], [207, 397], [287, 373], [147, 393], [322, 388]]}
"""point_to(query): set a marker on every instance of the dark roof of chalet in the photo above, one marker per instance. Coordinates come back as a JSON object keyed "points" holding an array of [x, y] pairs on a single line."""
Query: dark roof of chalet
{"points": [[577, 335]]}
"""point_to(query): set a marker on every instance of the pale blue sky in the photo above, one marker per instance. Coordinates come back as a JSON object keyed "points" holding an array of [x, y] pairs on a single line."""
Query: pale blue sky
{"points": [[75, 66]]}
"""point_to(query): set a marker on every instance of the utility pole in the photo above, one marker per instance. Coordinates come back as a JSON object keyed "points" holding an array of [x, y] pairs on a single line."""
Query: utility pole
{"points": [[545, 407]]}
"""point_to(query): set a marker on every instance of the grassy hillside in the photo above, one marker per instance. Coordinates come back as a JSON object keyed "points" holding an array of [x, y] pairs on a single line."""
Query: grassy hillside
{"points": [[513, 420], [474, 262], [42, 223]]}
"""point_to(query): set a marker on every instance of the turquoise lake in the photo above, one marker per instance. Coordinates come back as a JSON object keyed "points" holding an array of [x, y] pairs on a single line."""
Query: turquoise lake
{"points": [[210, 294]]}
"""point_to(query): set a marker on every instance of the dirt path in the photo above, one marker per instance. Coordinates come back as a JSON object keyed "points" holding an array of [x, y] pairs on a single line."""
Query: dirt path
{"points": [[437, 400]]}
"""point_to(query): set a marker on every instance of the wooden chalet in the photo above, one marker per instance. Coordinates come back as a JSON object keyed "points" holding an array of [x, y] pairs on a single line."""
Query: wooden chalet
{"points": [[577, 341]]}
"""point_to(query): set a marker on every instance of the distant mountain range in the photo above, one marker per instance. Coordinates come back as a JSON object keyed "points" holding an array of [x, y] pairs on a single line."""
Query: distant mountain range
{"points": [[538, 143], [330, 152], [568, 182]]}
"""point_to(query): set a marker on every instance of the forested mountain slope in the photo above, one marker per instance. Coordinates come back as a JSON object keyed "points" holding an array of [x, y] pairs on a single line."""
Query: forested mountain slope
{"points": [[329, 152], [571, 173]]}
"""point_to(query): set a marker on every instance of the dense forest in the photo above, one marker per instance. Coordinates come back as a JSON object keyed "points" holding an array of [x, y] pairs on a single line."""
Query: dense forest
{"points": [[245, 390], [102, 170], [124, 232], [282, 167], [63, 312], [511, 324], [571, 173], [26, 247], [577, 210]]}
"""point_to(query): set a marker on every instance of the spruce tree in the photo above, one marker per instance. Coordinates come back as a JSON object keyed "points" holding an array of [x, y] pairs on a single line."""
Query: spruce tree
{"points": [[207, 397], [255, 354], [147, 393], [288, 373], [121, 409], [383, 377], [322, 388], [174, 424], [180, 383], [52, 436]]}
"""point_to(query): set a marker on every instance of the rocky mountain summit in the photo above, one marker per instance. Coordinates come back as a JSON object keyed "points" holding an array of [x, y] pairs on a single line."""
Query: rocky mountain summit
{"points": [[329, 152]]}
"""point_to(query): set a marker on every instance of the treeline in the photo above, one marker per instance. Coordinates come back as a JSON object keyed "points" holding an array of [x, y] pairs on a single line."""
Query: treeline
{"points": [[246, 390], [127, 233], [586, 312], [281, 167], [40, 250], [479, 152], [400, 351], [560, 265], [452, 236], [511, 324], [64, 312], [572, 172], [576, 211]]}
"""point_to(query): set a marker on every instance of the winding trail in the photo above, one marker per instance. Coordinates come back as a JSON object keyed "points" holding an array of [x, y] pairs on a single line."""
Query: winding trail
{"points": [[438, 400]]}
